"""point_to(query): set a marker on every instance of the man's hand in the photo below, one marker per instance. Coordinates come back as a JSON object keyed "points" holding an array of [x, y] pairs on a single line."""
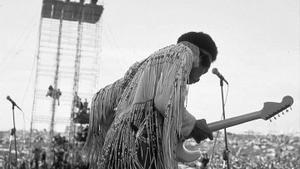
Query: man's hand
{"points": [[204, 161], [201, 131]]}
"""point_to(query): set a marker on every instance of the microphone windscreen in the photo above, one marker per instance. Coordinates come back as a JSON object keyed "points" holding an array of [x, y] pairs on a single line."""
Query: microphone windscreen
{"points": [[214, 71]]}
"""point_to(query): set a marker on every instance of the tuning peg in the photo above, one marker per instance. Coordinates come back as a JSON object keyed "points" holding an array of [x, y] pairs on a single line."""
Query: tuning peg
{"points": [[282, 113], [287, 110], [274, 117], [270, 120], [291, 108], [278, 115]]}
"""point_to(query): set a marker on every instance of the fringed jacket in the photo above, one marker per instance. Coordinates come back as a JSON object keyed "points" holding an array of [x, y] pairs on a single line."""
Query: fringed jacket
{"points": [[157, 84]]}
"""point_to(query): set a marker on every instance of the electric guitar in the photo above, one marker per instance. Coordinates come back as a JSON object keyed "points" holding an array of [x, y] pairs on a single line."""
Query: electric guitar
{"points": [[269, 110]]}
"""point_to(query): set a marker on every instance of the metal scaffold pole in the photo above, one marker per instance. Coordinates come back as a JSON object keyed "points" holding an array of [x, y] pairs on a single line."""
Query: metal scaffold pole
{"points": [[76, 81], [53, 107]]}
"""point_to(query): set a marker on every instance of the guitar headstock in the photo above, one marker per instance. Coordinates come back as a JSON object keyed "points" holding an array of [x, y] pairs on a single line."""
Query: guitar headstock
{"points": [[270, 109]]}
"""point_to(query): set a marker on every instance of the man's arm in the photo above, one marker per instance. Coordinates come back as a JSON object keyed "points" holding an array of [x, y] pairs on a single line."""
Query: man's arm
{"points": [[192, 128], [188, 123]]}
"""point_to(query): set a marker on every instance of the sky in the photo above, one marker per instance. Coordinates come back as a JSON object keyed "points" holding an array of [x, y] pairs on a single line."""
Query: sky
{"points": [[258, 43]]}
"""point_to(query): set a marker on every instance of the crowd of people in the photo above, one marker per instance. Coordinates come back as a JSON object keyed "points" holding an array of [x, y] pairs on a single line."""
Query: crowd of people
{"points": [[57, 157], [81, 111], [253, 151], [247, 151]]}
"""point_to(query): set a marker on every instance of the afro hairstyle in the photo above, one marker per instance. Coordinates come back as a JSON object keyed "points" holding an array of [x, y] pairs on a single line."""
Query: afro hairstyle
{"points": [[202, 41]]}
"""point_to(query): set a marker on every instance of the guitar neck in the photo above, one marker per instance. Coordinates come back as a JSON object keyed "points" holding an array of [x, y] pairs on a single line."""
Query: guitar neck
{"points": [[215, 126]]}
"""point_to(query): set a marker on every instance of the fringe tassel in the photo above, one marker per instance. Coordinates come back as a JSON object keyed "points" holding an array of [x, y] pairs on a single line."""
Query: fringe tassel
{"points": [[102, 112], [175, 107], [127, 147]]}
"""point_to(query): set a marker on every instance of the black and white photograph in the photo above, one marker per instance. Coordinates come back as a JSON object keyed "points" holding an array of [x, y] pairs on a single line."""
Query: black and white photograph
{"points": [[160, 84]]}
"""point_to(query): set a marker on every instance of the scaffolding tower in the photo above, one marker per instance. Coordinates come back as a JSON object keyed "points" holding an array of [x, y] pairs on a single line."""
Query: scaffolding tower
{"points": [[68, 57]]}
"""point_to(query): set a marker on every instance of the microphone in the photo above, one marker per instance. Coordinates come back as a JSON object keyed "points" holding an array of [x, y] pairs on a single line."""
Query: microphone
{"points": [[216, 72], [13, 102]]}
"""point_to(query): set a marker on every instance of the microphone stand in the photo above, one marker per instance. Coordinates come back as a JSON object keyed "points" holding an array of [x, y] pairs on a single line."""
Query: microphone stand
{"points": [[9, 152], [15, 133], [226, 151]]}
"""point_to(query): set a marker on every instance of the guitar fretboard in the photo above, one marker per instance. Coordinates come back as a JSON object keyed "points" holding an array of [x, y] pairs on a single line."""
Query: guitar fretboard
{"points": [[215, 126]]}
